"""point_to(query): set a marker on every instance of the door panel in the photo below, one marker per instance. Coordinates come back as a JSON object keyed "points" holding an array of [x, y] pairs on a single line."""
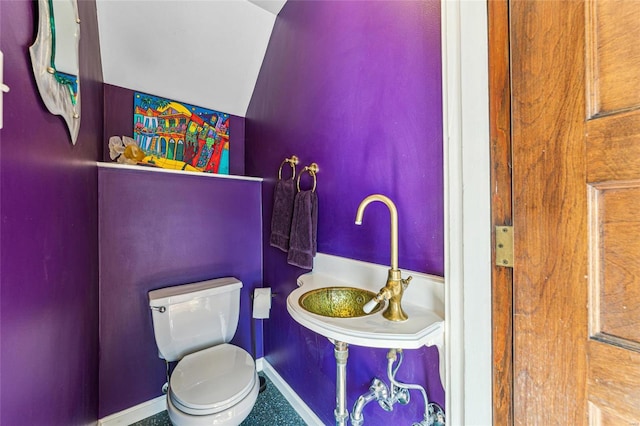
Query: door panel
{"points": [[613, 182], [613, 146], [605, 418], [613, 54], [615, 263], [548, 111], [576, 191], [614, 382]]}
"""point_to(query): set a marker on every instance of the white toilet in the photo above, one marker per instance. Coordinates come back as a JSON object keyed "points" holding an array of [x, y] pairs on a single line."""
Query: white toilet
{"points": [[215, 383]]}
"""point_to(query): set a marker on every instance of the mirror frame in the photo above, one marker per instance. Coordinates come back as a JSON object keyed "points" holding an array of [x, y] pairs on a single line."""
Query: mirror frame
{"points": [[56, 89]]}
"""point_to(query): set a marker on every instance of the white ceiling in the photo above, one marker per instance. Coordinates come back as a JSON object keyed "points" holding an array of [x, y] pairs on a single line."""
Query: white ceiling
{"points": [[206, 53], [273, 6]]}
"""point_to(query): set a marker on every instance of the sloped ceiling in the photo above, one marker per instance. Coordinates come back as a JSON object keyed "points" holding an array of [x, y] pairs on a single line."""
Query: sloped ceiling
{"points": [[273, 6], [207, 53]]}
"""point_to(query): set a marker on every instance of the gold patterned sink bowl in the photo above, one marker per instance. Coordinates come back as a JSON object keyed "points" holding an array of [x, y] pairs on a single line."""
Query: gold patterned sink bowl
{"points": [[338, 302]]}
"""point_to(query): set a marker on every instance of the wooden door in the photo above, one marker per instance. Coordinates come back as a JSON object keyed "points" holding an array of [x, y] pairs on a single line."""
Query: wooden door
{"points": [[575, 81]]}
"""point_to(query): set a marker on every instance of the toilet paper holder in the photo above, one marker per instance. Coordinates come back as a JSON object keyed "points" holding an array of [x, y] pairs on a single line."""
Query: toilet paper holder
{"points": [[261, 298], [272, 294]]}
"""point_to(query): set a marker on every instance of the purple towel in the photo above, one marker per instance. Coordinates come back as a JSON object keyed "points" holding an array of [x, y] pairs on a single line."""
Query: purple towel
{"points": [[304, 230], [283, 198]]}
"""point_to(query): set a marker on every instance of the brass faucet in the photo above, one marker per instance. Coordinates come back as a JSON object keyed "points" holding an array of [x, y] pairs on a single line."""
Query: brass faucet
{"points": [[395, 286]]}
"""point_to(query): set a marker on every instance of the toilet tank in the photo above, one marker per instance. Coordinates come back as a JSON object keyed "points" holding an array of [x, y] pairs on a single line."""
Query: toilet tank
{"points": [[191, 317]]}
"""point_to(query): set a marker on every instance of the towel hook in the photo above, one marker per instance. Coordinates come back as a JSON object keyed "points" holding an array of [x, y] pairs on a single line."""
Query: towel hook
{"points": [[312, 169], [293, 161]]}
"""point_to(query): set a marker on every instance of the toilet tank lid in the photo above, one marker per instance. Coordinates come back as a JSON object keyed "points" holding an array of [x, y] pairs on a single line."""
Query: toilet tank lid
{"points": [[181, 293]]}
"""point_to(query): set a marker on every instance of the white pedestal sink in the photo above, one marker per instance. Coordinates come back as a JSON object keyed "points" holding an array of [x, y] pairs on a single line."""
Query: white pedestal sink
{"points": [[423, 302]]}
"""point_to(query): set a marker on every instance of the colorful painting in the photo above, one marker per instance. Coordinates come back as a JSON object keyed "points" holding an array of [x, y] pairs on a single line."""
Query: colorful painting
{"points": [[175, 135]]}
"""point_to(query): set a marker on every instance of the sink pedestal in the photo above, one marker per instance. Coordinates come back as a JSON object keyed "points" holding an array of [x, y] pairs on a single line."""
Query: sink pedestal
{"points": [[341, 352]]}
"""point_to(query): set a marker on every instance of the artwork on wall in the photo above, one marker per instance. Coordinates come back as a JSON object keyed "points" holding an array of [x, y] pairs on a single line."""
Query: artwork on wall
{"points": [[179, 136]]}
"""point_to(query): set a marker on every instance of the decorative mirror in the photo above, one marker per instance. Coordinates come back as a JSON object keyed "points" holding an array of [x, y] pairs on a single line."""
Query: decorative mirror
{"points": [[54, 57]]}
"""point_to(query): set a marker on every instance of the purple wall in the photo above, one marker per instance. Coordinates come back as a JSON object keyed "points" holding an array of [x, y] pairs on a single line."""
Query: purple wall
{"points": [[49, 246], [355, 87], [118, 112], [157, 230]]}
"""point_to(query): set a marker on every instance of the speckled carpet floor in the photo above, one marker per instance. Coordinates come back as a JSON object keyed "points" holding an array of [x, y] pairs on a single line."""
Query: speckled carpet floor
{"points": [[271, 409]]}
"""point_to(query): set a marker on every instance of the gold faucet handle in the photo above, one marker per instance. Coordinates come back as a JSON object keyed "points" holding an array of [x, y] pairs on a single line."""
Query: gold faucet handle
{"points": [[405, 282]]}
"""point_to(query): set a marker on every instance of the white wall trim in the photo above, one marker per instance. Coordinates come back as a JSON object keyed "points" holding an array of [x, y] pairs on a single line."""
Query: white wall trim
{"points": [[310, 418], [451, 119], [476, 212], [136, 413], [467, 212]]}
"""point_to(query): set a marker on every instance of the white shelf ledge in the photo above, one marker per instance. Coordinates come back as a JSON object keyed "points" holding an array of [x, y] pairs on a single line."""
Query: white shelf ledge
{"points": [[175, 172]]}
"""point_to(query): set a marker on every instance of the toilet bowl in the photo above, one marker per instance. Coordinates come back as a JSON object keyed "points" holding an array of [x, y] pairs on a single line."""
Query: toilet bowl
{"points": [[215, 386], [214, 383]]}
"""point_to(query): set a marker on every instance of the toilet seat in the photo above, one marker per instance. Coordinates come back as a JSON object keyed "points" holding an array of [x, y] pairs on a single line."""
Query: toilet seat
{"points": [[212, 380]]}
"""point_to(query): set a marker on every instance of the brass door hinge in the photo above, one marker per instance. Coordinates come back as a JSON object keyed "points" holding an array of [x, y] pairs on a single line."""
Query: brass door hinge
{"points": [[504, 246]]}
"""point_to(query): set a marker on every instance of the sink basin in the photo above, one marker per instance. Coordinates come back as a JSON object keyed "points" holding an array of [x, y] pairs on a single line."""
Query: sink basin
{"points": [[317, 304], [338, 302]]}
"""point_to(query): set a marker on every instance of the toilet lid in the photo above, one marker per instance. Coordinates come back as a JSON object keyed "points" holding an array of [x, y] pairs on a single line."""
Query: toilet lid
{"points": [[212, 380]]}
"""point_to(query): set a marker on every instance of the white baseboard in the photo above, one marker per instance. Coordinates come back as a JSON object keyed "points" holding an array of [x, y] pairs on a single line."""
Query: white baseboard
{"points": [[136, 413], [296, 402]]}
